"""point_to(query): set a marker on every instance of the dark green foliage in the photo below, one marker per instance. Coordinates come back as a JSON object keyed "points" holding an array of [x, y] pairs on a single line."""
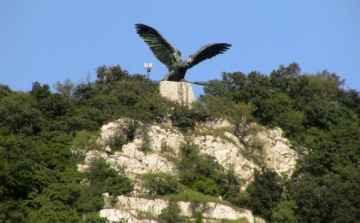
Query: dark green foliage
{"points": [[102, 179], [55, 105], [19, 113], [196, 170], [95, 218], [116, 142], [39, 181], [199, 218], [40, 92], [204, 174], [285, 212], [318, 115], [264, 192], [171, 214], [31, 178], [5, 90], [38, 177], [115, 94], [160, 184], [230, 188], [183, 118], [285, 78]]}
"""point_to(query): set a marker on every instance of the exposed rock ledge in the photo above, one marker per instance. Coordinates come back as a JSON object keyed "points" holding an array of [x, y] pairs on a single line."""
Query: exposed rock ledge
{"points": [[277, 154], [129, 207], [277, 151]]}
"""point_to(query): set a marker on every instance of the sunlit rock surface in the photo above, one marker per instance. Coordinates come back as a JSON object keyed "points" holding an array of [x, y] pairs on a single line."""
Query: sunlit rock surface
{"points": [[215, 138], [130, 207]]}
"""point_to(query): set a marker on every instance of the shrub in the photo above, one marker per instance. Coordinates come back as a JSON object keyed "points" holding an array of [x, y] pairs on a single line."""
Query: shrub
{"points": [[116, 142], [207, 186], [171, 214], [145, 145], [183, 118], [103, 179], [84, 141], [160, 184]]}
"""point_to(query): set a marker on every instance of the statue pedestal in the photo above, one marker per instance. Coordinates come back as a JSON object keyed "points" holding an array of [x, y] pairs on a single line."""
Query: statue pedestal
{"points": [[180, 92]]}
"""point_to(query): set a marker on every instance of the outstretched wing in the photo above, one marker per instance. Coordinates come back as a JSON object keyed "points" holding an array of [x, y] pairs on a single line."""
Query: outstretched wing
{"points": [[161, 48], [207, 52]]}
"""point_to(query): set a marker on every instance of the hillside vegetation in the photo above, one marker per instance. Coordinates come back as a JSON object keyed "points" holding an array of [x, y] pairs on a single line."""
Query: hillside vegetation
{"points": [[39, 181]]}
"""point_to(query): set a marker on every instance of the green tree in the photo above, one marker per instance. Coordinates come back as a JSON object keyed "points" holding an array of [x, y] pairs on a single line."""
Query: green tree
{"points": [[40, 92], [265, 193], [161, 184], [171, 214], [66, 88], [20, 114], [102, 178], [5, 90], [182, 117], [284, 77], [285, 212]]}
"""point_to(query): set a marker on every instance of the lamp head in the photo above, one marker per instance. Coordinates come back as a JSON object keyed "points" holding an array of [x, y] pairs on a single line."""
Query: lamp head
{"points": [[148, 65]]}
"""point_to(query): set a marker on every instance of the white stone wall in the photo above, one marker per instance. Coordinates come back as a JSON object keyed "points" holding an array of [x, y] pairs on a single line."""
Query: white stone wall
{"points": [[180, 92]]}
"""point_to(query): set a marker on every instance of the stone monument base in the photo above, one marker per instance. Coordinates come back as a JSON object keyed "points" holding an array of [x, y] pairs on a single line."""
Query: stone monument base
{"points": [[180, 92]]}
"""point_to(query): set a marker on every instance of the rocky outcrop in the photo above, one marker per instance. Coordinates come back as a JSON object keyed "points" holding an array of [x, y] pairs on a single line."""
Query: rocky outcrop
{"points": [[279, 155], [276, 150], [226, 153], [164, 136], [118, 215], [243, 152], [131, 161], [131, 207]]}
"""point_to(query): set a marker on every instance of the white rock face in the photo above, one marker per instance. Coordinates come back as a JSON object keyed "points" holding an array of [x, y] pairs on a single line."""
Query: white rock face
{"points": [[116, 215], [137, 162], [154, 206], [277, 150], [218, 124], [165, 141], [280, 156], [82, 167], [223, 211], [227, 154], [164, 137], [217, 211], [94, 155], [131, 160]]}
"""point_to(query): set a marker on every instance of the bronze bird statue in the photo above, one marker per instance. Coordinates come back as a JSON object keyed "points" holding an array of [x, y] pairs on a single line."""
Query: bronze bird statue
{"points": [[171, 57]]}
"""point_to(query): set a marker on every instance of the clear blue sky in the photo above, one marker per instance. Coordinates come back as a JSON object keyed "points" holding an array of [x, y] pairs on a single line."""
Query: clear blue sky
{"points": [[49, 41]]}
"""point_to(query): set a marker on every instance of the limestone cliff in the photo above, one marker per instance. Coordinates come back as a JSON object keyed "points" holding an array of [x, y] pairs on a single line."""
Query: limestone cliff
{"points": [[243, 148], [129, 207]]}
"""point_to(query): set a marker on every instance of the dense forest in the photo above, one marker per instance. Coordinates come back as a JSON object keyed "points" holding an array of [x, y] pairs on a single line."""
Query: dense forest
{"points": [[39, 181]]}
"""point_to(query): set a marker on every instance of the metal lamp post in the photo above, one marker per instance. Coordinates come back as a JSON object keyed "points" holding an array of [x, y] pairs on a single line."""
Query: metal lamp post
{"points": [[148, 67]]}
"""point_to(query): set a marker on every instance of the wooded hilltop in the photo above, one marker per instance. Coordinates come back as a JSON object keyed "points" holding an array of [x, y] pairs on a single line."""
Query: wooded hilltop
{"points": [[39, 129]]}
